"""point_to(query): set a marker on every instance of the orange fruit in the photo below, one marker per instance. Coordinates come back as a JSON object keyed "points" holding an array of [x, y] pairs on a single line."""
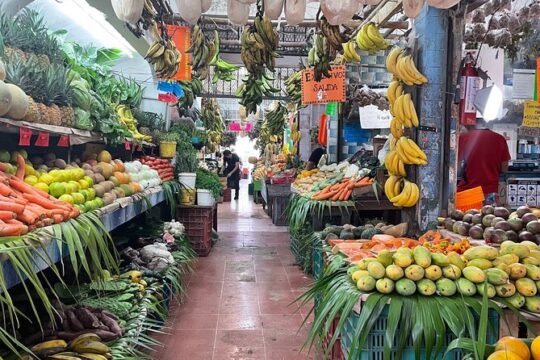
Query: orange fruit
{"points": [[535, 348], [514, 345], [504, 355]]}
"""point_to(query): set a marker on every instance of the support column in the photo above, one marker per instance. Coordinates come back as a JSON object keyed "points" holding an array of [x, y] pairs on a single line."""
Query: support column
{"points": [[432, 45]]}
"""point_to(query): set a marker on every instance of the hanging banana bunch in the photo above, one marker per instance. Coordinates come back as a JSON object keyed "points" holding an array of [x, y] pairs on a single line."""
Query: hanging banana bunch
{"points": [[402, 66], [320, 57], [192, 89], [203, 51], [275, 118], [401, 192], [332, 33], [212, 119], [223, 70], [293, 88], [165, 58], [370, 39]]}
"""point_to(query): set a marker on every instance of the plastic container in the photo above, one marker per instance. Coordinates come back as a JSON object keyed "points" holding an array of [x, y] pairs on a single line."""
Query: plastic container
{"points": [[198, 223], [167, 149], [187, 179], [205, 198], [470, 199], [187, 196]]}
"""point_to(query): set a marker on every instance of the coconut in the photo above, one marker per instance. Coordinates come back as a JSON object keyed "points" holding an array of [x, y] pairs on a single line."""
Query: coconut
{"points": [[100, 190]]}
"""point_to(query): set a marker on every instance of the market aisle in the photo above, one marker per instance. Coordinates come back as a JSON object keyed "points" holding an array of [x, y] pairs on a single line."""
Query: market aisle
{"points": [[238, 299]]}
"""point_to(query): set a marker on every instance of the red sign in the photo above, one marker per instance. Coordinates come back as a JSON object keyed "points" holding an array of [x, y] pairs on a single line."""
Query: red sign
{"points": [[331, 89], [181, 36], [42, 139], [25, 134], [168, 98], [127, 145], [63, 141]]}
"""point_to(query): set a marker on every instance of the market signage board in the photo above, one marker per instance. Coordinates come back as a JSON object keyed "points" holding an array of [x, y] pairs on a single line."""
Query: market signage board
{"points": [[373, 118], [327, 90], [181, 36], [531, 114]]}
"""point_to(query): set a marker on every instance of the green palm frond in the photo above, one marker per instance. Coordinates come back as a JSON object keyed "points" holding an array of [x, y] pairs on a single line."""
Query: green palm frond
{"points": [[171, 191]]}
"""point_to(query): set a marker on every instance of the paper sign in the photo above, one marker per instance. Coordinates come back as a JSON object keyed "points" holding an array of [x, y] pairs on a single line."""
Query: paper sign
{"points": [[181, 36], [327, 90], [523, 84], [25, 134], [63, 141], [373, 118], [42, 139], [531, 114]]}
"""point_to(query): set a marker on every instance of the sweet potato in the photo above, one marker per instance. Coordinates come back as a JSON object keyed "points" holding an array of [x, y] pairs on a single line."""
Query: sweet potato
{"points": [[111, 323], [74, 322], [87, 319]]}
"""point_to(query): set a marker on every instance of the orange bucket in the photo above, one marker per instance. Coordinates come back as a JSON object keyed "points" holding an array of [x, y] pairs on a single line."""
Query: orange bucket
{"points": [[470, 199]]}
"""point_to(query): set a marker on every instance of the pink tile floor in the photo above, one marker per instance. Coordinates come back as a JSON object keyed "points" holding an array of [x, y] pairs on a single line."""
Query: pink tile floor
{"points": [[238, 303]]}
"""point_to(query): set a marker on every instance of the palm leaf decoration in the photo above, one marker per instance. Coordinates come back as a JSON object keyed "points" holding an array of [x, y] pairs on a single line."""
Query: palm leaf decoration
{"points": [[171, 191]]}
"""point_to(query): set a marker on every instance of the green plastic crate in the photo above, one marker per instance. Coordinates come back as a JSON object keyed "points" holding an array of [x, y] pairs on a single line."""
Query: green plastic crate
{"points": [[318, 261], [257, 185], [374, 346]]}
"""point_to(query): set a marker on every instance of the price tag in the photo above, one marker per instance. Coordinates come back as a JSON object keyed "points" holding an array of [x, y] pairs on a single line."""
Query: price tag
{"points": [[127, 145], [25, 134], [63, 141], [43, 139]]}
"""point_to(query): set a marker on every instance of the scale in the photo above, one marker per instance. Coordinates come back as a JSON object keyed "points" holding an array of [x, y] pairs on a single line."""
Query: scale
{"points": [[523, 165]]}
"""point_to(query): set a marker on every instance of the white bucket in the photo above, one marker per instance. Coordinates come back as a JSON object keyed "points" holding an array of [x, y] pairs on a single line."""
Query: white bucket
{"points": [[187, 179], [205, 198]]}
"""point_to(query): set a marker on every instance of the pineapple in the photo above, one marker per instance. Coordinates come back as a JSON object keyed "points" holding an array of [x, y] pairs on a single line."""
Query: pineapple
{"points": [[12, 37], [55, 116], [44, 111], [33, 114], [68, 116]]}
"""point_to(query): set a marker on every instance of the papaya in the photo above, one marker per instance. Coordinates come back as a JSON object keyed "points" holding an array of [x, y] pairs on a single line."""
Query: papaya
{"points": [[422, 256], [455, 259], [517, 271], [526, 287], [446, 287], [517, 300], [496, 276], [433, 273], [465, 287], [518, 249], [504, 267], [426, 287], [529, 260], [394, 272], [505, 290], [480, 263], [474, 274], [535, 254], [506, 259], [481, 252]]}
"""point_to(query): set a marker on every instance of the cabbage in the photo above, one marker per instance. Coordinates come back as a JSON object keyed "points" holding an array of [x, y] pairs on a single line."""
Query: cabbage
{"points": [[82, 98], [82, 119]]}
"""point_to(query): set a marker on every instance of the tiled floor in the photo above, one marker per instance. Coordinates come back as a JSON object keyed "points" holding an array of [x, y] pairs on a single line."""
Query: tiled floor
{"points": [[238, 304]]}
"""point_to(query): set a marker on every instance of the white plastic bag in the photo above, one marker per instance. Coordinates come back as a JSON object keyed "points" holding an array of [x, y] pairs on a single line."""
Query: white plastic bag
{"points": [[237, 12], [442, 4], [412, 8], [338, 12], [128, 10], [369, 2], [295, 10], [206, 5], [189, 10], [273, 8], [247, 2]]}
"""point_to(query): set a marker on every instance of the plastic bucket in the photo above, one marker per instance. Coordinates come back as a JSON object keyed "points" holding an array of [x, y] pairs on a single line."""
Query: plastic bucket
{"points": [[205, 198], [187, 196], [167, 149], [187, 179]]}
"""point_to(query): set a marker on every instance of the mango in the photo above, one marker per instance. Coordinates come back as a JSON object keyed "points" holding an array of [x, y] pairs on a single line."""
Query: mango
{"points": [[455, 259], [422, 256], [426, 287], [532, 246], [474, 274], [465, 287], [533, 272], [517, 300], [506, 259], [362, 264], [506, 243], [480, 263], [402, 259], [433, 273], [366, 283], [529, 260], [446, 287], [518, 249], [376, 270], [352, 269], [481, 252], [505, 290], [496, 276], [526, 287], [517, 271], [358, 274], [414, 272], [385, 257], [405, 250], [537, 285], [451, 272], [385, 285], [535, 254], [405, 287], [394, 272], [490, 289], [532, 304], [439, 260]]}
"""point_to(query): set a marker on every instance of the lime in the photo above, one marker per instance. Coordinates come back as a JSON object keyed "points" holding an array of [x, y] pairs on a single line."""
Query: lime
{"points": [[78, 198], [42, 186], [67, 198], [46, 178], [31, 179], [57, 189], [91, 194]]}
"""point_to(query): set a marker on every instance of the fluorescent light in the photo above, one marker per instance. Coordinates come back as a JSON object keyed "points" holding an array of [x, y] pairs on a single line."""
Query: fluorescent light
{"points": [[489, 102]]}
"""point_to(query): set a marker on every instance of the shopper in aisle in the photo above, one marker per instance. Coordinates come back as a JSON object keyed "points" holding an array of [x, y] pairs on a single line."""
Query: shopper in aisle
{"points": [[232, 171], [483, 155], [315, 157]]}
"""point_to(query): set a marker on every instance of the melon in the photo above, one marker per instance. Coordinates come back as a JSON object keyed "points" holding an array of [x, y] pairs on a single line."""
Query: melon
{"points": [[100, 190], [128, 10], [2, 71], [412, 8], [19, 102], [237, 12], [295, 11], [106, 169], [189, 11], [273, 8], [5, 96], [104, 156]]}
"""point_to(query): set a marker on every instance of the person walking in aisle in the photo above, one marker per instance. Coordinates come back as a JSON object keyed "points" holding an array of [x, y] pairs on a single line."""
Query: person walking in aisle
{"points": [[232, 171]]}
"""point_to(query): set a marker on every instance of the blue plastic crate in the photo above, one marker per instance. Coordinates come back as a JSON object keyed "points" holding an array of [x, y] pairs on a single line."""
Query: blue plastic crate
{"points": [[374, 346]]}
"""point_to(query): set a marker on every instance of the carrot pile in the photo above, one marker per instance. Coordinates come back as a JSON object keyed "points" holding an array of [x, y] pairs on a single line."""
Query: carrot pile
{"points": [[341, 191], [24, 208]]}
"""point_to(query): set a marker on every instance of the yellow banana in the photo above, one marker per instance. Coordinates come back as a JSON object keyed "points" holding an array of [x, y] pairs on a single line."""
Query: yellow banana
{"points": [[392, 58], [401, 168], [374, 35], [414, 115], [390, 185], [401, 71], [403, 153], [391, 92], [352, 51], [406, 109], [419, 152], [414, 196], [403, 196], [413, 70], [396, 128]]}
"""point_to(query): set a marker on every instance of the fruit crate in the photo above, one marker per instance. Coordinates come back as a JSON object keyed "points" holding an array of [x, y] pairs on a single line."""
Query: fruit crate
{"points": [[374, 346], [198, 222]]}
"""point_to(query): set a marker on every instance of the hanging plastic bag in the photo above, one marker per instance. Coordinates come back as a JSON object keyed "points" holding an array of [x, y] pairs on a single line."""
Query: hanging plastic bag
{"points": [[338, 12], [369, 2], [443, 4], [189, 11], [295, 10], [206, 5], [247, 2], [237, 12], [412, 8], [273, 8], [128, 10]]}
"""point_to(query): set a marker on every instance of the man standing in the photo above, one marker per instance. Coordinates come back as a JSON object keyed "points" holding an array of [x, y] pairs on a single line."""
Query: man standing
{"points": [[315, 157], [232, 171], [483, 155]]}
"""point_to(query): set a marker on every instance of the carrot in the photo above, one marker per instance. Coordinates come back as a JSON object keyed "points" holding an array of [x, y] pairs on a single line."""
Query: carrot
{"points": [[23, 187], [14, 198], [336, 195], [28, 217], [57, 218], [5, 190], [74, 212], [20, 167], [347, 195], [7, 215], [3, 167], [13, 229], [48, 221], [38, 210], [46, 203], [10, 206]]}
